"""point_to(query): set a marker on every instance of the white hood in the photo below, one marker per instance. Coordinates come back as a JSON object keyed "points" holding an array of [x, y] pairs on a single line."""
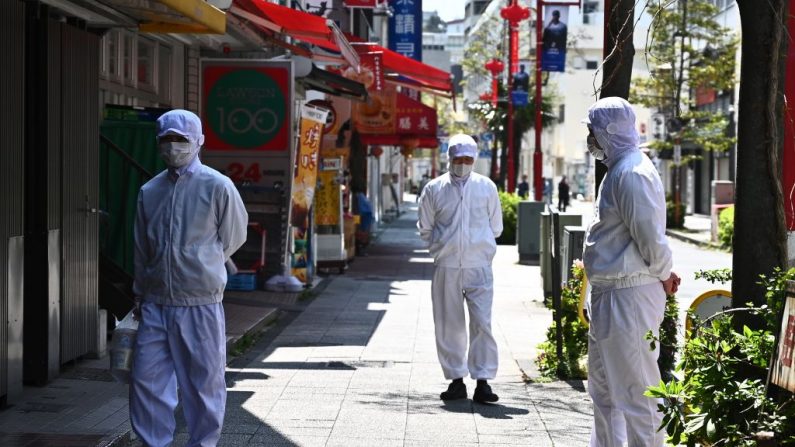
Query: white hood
{"points": [[613, 122]]}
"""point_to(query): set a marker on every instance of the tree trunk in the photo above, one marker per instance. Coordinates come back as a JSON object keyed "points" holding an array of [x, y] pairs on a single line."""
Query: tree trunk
{"points": [[619, 52], [759, 226]]}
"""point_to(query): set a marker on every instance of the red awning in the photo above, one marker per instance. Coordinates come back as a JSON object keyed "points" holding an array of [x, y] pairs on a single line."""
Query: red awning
{"points": [[309, 28], [423, 74], [413, 121]]}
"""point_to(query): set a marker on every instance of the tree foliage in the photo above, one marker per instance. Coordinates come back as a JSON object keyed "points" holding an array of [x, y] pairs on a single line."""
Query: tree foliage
{"points": [[702, 62]]}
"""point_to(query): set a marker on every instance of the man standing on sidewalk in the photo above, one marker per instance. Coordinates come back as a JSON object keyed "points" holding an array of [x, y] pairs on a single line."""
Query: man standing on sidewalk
{"points": [[190, 220], [460, 218], [628, 263]]}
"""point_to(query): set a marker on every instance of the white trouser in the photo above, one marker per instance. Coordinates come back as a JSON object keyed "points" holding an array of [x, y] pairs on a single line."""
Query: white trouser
{"points": [[621, 366], [450, 288], [183, 345]]}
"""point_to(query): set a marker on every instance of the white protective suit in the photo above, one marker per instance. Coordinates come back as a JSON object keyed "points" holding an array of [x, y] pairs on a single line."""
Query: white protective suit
{"points": [[626, 258], [189, 221], [460, 218]]}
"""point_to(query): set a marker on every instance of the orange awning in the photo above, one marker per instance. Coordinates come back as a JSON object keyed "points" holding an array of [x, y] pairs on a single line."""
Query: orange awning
{"points": [[309, 28]]}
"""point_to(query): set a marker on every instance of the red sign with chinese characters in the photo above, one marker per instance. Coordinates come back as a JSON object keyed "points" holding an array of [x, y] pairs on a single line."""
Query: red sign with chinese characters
{"points": [[414, 118]]}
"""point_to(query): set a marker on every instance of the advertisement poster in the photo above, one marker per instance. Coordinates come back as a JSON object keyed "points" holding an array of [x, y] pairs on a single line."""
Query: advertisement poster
{"points": [[553, 53], [783, 367], [377, 114], [313, 120], [405, 28], [327, 199], [246, 107]]}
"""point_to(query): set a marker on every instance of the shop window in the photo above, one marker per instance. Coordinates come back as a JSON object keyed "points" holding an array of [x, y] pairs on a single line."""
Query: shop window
{"points": [[146, 64], [128, 45], [164, 70], [111, 56]]}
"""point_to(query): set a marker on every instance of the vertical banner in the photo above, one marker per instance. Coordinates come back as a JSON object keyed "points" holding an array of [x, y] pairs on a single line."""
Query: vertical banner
{"points": [[313, 120], [405, 28], [553, 54], [368, 4]]}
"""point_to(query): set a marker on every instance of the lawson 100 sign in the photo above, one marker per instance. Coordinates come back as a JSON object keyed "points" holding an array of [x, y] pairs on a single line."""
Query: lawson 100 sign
{"points": [[246, 107]]}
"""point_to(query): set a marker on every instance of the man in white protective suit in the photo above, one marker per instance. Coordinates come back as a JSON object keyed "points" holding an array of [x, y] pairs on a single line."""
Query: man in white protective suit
{"points": [[628, 263], [460, 218], [190, 220]]}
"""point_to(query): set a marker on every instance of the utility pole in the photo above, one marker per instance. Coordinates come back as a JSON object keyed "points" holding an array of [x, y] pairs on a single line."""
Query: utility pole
{"points": [[514, 14]]}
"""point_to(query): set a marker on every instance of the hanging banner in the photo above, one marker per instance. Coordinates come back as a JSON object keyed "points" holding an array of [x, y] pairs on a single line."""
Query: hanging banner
{"points": [[553, 54], [371, 71], [405, 28], [313, 120]]}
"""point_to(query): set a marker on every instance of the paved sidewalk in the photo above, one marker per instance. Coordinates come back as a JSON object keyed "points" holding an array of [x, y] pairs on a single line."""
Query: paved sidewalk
{"points": [[85, 406], [358, 366]]}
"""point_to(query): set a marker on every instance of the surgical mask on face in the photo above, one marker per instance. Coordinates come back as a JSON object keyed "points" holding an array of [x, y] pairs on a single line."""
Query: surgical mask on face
{"points": [[593, 147], [176, 154], [461, 170]]}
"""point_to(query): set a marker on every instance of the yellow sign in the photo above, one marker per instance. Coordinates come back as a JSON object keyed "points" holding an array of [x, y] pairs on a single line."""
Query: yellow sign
{"points": [[327, 202]]}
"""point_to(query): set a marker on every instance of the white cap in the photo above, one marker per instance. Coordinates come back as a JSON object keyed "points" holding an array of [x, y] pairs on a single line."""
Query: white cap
{"points": [[181, 122], [462, 145]]}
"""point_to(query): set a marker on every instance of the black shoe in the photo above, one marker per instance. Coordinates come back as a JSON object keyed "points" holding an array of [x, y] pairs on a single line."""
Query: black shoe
{"points": [[483, 394], [456, 390]]}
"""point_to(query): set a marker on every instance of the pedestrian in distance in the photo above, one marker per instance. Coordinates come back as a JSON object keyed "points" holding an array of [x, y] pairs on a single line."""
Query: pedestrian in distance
{"points": [[628, 263], [524, 188], [547, 190], [563, 195], [190, 220], [421, 186], [460, 218]]}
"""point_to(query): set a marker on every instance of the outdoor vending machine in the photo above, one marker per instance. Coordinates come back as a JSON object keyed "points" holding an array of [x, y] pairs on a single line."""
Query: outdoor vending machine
{"points": [[330, 234]]}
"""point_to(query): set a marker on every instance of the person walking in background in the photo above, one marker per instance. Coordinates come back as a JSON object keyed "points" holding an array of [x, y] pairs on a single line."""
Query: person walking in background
{"points": [[628, 263], [524, 188], [421, 186], [190, 220], [563, 195], [460, 218]]}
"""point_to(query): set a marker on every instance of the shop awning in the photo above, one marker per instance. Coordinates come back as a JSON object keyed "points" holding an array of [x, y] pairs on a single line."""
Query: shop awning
{"points": [[334, 84], [278, 20], [413, 122], [406, 71], [173, 16]]}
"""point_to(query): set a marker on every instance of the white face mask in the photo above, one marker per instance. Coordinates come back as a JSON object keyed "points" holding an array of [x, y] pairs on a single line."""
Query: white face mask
{"points": [[593, 147], [461, 170], [177, 154]]}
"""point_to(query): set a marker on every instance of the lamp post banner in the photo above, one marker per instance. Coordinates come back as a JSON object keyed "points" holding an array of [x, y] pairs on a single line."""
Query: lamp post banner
{"points": [[405, 28], [553, 53]]}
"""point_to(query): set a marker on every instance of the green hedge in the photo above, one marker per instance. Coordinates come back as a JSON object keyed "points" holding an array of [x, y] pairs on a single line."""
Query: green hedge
{"points": [[510, 211], [726, 226]]}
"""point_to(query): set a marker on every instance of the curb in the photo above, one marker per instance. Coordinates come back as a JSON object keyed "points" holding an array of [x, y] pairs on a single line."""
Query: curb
{"points": [[266, 320], [692, 240]]}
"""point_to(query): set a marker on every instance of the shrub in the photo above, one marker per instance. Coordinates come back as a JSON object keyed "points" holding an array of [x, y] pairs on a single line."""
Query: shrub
{"points": [[726, 227], [510, 212], [670, 219], [721, 399], [575, 334]]}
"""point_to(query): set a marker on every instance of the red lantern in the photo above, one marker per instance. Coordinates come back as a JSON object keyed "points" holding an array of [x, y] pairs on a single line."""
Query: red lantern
{"points": [[376, 151], [515, 13], [495, 66]]}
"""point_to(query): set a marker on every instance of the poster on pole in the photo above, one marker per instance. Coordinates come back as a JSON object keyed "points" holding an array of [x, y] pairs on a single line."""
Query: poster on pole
{"points": [[313, 119], [553, 53], [405, 28]]}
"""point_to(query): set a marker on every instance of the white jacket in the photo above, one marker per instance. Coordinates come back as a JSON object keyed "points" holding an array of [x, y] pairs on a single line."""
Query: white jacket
{"points": [[625, 245], [460, 223]]}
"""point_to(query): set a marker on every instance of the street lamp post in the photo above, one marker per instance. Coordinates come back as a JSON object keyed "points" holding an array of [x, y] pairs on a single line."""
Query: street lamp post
{"points": [[514, 14]]}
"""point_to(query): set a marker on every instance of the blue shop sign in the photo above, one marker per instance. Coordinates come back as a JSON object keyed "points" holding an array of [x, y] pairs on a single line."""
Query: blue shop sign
{"points": [[405, 28]]}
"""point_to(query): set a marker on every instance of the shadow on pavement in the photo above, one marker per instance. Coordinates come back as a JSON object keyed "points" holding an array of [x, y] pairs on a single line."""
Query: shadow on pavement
{"points": [[488, 411]]}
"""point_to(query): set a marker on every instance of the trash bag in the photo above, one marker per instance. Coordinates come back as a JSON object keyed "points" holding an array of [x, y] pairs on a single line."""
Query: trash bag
{"points": [[121, 348]]}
